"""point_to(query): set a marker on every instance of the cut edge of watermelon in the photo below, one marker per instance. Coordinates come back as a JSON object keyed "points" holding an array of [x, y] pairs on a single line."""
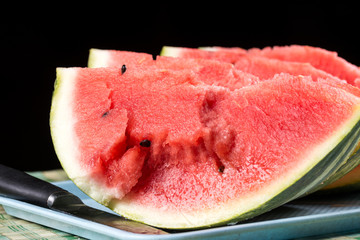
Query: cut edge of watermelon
{"points": [[226, 214]]}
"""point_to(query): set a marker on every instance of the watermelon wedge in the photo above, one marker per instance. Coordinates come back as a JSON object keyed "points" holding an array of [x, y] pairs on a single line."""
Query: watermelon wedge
{"points": [[165, 147]]}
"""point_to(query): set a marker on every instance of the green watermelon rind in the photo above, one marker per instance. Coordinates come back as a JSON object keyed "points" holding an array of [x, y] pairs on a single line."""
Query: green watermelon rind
{"points": [[351, 163], [333, 186]]}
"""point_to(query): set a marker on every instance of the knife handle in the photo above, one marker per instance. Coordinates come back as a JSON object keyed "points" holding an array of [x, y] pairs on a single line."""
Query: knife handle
{"points": [[19, 185]]}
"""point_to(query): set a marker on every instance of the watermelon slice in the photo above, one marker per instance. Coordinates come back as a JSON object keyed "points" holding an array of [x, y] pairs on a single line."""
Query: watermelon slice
{"points": [[164, 147]]}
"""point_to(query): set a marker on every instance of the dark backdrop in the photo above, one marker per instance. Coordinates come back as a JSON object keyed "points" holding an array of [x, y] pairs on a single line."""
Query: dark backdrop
{"points": [[35, 42]]}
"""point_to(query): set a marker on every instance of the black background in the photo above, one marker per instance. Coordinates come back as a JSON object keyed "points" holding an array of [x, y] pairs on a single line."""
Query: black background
{"points": [[35, 42]]}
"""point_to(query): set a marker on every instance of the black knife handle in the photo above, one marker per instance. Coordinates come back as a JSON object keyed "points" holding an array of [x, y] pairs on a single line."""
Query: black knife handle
{"points": [[22, 186]]}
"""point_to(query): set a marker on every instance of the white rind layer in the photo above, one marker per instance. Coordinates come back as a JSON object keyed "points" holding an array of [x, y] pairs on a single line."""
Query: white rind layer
{"points": [[170, 51], [62, 121], [98, 58]]}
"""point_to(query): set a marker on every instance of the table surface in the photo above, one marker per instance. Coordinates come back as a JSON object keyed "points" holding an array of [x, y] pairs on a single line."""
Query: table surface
{"points": [[12, 228]]}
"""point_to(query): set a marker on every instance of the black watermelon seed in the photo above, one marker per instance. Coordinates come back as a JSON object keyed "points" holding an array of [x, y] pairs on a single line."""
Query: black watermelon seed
{"points": [[221, 169], [145, 143], [105, 114], [123, 69]]}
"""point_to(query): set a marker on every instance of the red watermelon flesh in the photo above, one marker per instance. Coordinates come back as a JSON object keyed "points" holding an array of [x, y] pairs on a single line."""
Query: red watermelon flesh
{"points": [[266, 68], [319, 58], [134, 116], [162, 147], [210, 72]]}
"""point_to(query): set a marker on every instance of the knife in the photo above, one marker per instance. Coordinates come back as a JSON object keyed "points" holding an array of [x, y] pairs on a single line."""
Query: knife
{"points": [[21, 186]]}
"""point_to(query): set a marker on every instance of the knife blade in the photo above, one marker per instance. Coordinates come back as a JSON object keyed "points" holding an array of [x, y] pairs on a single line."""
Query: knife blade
{"points": [[21, 186]]}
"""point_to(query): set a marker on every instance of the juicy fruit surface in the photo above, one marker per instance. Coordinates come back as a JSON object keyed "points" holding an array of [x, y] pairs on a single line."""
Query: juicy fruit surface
{"points": [[187, 143], [320, 64], [233, 143]]}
